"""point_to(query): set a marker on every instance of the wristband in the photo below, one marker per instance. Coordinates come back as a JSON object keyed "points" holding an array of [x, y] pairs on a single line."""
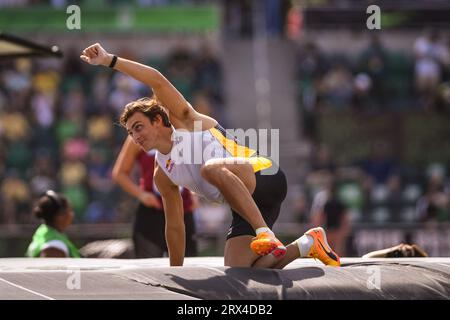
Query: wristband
{"points": [[113, 61]]}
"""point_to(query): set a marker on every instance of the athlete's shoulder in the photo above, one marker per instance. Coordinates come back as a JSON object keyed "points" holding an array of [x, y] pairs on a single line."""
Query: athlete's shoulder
{"points": [[200, 122]]}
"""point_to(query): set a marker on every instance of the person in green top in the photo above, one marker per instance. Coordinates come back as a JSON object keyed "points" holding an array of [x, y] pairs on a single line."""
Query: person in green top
{"points": [[49, 240]]}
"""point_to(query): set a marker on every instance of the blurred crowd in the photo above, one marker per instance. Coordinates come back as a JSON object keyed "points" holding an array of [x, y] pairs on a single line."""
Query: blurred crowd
{"points": [[378, 188], [59, 130], [59, 127], [59, 123], [377, 80]]}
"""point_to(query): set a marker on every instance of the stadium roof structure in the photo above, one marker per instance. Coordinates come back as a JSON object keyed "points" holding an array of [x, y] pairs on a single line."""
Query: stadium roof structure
{"points": [[16, 47]]}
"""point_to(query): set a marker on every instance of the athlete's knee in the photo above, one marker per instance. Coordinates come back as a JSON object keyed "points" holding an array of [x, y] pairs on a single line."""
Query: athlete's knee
{"points": [[210, 172]]}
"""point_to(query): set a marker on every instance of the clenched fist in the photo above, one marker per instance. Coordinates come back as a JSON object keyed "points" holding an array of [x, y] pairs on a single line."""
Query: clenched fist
{"points": [[96, 55]]}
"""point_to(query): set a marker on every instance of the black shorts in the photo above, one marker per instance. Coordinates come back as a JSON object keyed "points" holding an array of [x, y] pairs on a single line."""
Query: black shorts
{"points": [[149, 233], [270, 191]]}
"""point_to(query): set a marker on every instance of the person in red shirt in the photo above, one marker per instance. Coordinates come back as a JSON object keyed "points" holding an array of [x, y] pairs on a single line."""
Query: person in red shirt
{"points": [[149, 223]]}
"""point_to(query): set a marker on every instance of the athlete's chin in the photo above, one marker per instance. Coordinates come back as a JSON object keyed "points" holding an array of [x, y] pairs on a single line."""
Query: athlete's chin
{"points": [[146, 147]]}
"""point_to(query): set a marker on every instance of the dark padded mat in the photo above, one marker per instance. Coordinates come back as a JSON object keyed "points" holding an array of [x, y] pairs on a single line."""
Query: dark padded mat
{"points": [[206, 278]]}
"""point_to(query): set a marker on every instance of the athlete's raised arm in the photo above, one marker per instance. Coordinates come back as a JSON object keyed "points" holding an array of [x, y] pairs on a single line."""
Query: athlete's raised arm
{"points": [[169, 96]]}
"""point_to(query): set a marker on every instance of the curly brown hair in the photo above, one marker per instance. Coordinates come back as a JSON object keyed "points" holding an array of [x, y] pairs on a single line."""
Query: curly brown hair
{"points": [[150, 107]]}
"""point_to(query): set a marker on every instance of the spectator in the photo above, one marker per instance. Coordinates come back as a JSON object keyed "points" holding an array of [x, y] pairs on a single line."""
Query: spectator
{"points": [[443, 99], [180, 70], [311, 67], [49, 239], [15, 196], [322, 168], [434, 205], [362, 97], [208, 80], [379, 167], [328, 210], [428, 51], [336, 88], [373, 63], [43, 175]]}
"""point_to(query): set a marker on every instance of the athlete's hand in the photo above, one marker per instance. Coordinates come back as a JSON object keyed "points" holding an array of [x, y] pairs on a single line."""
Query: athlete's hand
{"points": [[150, 200], [96, 55]]}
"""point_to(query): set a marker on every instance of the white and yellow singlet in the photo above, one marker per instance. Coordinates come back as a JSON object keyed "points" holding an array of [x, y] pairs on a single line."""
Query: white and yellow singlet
{"points": [[192, 149]]}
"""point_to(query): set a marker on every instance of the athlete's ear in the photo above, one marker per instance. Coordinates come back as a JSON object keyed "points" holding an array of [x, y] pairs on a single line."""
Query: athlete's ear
{"points": [[159, 120]]}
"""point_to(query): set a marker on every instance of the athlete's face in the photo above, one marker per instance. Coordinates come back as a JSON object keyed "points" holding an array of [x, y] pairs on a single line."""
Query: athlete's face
{"points": [[142, 131]]}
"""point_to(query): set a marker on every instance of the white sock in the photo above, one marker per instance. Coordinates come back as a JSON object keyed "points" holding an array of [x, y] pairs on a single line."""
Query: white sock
{"points": [[264, 229], [304, 243]]}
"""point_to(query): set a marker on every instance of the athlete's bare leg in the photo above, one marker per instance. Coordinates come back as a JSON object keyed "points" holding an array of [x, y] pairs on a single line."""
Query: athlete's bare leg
{"points": [[238, 254], [269, 261], [236, 182]]}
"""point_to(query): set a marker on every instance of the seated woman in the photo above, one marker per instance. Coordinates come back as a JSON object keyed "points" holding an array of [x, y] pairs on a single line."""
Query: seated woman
{"points": [[48, 240]]}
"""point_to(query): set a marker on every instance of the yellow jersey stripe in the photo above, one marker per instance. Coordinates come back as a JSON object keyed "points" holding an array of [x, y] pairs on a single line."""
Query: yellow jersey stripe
{"points": [[236, 150], [260, 163]]}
